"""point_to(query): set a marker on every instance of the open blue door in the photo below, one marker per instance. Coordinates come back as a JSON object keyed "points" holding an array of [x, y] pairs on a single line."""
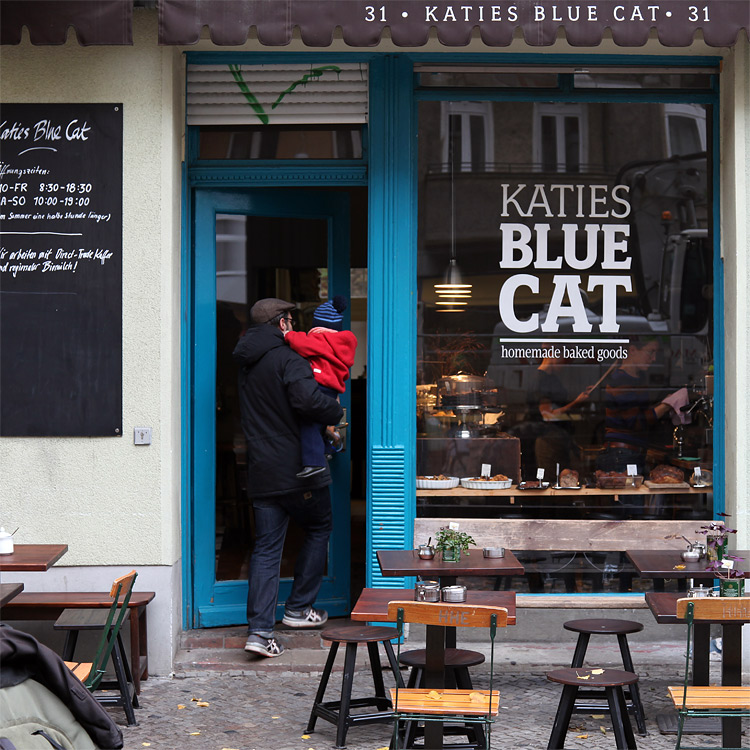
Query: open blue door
{"points": [[253, 243]]}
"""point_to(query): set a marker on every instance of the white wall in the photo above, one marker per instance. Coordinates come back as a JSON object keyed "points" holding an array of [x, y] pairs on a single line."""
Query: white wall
{"points": [[114, 503]]}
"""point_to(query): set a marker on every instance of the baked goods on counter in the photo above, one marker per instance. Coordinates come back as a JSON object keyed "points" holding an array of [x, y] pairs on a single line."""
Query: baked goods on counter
{"points": [[568, 478], [666, 474]]}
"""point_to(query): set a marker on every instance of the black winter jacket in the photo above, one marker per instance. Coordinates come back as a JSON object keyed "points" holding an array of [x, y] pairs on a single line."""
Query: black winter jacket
{"points": [[23, 657], [277, 388]]}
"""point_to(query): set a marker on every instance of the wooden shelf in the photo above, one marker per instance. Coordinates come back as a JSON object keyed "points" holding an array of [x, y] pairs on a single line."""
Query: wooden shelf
{"points": [[586, 491]]}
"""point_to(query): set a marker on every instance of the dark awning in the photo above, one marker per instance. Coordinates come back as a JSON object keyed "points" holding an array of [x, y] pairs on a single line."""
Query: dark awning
{"points": [[94, 21], [362, 22]]}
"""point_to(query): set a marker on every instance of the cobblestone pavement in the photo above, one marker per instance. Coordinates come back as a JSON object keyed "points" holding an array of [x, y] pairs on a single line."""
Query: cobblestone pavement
{"points": [[246, 709]]}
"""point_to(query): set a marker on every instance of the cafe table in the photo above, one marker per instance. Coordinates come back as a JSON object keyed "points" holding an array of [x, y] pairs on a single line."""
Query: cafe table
{"points": [[407, 562], [661, 564], [663, 606], [8, 591], [372, 606], [32, 557]]}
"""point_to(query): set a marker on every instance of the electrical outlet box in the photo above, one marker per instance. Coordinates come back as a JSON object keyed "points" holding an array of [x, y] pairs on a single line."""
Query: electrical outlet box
{"points": [[142, 435]]}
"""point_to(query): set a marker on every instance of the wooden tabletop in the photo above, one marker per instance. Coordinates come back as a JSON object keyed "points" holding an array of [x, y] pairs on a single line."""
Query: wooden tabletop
{"points": [[372, 605], [406, 562], [661, 564], [33, 557], [8, 591]]}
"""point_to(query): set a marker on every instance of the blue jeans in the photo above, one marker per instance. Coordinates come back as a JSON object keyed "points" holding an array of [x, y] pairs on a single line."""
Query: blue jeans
{"points": [[311, 510]]}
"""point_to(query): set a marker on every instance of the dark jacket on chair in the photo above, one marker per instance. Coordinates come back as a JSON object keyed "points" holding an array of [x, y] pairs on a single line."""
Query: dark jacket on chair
{"points": [[277, 389], [24, 658]]}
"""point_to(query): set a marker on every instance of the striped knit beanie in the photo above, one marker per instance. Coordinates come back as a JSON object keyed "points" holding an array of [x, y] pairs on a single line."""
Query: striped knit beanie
{"points": [[329, 314]]}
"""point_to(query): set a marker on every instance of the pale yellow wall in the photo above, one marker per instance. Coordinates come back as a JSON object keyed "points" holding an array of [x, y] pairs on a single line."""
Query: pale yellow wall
{"points": [[111, 501], [735, 228]]}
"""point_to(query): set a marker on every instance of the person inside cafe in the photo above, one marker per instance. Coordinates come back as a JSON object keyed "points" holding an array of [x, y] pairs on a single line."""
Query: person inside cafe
{"points": [[277, 390], [631, 416], [555, 444]]}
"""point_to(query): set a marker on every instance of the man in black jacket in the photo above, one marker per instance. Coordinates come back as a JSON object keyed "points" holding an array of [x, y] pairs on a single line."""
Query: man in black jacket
{"points": [[277, 388]]}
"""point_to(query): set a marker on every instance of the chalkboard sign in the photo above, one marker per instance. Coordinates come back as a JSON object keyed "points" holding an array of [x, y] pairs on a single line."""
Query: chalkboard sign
{"points": [[60, 269]]}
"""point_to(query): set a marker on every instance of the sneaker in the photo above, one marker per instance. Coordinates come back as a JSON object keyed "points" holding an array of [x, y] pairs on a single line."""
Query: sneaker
{"points": [[308, 618], [257, 644], [310, 471]]}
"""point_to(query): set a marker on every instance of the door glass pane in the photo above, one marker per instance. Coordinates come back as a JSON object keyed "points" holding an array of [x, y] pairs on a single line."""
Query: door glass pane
{"points": [[585, 301], [256, 257]]}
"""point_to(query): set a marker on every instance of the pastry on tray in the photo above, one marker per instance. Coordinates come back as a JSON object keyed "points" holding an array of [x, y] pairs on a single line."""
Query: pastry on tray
{"points": [[665, 474], [568, 478]]}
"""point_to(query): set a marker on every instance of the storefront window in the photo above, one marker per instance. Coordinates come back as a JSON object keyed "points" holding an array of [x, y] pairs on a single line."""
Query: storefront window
{"points": [[578, 274], [280, 142]]}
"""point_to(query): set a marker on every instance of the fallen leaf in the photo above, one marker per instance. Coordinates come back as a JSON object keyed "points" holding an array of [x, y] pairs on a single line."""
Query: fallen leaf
{"points": [[583, 676], [145, 744], [179, 706], [679, 567], [229, 748], [195, 699], [202, 704], [476, 697], [597, 671], [276, 717], [305, 736], [603, 730], [193, 734], [434, 695], [597, 716], [582, 736]]}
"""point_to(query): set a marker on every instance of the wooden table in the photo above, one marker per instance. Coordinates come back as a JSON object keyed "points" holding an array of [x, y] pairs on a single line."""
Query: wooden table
{"points": [[663, 605], [32, 557], [8, 591], [372, 605], [660, 564], [406, 562]]}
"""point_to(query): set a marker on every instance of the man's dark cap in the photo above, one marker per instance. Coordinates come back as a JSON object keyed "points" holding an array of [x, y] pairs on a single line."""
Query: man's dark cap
{"points": [[267, 309]]}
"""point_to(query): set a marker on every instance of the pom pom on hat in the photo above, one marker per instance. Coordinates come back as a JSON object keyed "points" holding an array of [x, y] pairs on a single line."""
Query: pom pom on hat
{"points": [[329, 314]]}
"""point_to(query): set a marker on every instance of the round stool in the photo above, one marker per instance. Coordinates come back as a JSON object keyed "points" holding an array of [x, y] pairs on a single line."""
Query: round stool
{"points": [[457, 663], [611, 681], [338, 712], [620, 628]]}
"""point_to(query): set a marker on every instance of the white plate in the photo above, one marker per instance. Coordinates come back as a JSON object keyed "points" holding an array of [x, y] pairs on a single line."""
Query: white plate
{"points": [[485, 484], [525, 486], [437, 484], [560, 487]]}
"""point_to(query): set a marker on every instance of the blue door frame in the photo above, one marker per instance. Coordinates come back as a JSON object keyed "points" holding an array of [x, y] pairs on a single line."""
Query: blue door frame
{"points": [[224, 602]]}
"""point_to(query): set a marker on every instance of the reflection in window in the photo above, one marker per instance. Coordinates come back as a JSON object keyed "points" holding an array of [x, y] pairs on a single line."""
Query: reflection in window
{"points": [[686, 128], [467, 132], [280, 142], [559, 141]]}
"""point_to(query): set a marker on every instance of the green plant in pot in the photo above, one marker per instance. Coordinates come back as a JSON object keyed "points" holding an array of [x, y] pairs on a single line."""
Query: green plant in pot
{"points": [[717, 538], [731, 581], [451, 542]]}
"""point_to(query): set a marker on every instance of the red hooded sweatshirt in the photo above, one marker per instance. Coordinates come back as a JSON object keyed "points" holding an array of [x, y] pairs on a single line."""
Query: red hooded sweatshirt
{"points": [[330, 353]]}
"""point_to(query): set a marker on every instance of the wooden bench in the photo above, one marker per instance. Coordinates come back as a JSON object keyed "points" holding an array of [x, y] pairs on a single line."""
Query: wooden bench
{"points": [[48, 605], [562, 535]]}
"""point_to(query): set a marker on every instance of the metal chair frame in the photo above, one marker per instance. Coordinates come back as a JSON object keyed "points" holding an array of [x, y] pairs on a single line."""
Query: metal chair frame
{"points": [[683, 711], [423, 613]]}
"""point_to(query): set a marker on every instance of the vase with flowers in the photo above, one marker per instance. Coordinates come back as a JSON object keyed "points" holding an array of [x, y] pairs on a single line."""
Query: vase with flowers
{"points": [[717, 538], [720, 562], [451, 542]]}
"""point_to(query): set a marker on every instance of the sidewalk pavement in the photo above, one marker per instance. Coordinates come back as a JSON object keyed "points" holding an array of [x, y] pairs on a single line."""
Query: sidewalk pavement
{"points": [[222, 699]]}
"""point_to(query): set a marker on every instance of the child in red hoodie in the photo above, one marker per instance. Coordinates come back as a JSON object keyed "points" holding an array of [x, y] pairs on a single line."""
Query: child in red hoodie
{"points": [[330, 352]]}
